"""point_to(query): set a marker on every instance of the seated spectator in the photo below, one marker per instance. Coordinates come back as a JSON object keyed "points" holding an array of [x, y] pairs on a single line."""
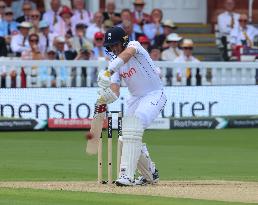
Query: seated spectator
{"points": [[128, 27], [81, 15], [35, 19], [46, 38], [8, 27], [17, 7], [97, 26], [33, 53], [173, 51], [153, 29], [168, 27], [243, 34], [26, 8], [155, 53], [139, 17], [187, 56], [20, 42], [110, 13], [79, 39], [144, 41], [226, 22], [127, 16], [2, 9], [52, 16], [99, 49], [61, 54], [64, 26], [51, 55]]}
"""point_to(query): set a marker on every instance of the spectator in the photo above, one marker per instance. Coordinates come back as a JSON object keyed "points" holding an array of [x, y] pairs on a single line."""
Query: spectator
{"points": [[97, 26], [3, 47], [110, 14], [26, 8], [64, 26], [46, 38], [17, 7], [2, 8], [79, 39], [226, 22], [153, 29], [139, 17], [33, 53], [52, 16], [155, 53], [127, 16], [128, 27], [35, 19], [168, 27], [99, 50], [243, 34], [61, 54], [51, 55], [144, 41], [186, 56], [81, 15], [173, 51], [20, 43], [8, 26]]}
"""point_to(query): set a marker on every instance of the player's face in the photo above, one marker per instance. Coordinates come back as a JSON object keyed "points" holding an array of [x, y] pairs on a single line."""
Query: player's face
{"points": [[116, 49]]}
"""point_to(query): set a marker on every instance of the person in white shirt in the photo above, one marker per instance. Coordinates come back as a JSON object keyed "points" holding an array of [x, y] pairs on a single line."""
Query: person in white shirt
{"points": [[20, 42], [52, 16], [81, 15], [173, 51], [133, 65], [243, 34], [97, 26], [227, 21], [187, 56]]}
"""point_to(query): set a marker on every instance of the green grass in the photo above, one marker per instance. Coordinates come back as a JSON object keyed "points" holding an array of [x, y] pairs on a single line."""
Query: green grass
{"points": [[43, 197], [179, 155]]}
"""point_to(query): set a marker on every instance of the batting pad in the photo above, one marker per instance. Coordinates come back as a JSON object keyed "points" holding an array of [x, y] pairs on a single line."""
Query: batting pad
{"points": [[132, 140]]}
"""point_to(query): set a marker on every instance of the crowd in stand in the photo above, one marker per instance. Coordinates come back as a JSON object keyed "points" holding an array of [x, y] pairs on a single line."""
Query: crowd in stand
{"points": [[75, 33]]}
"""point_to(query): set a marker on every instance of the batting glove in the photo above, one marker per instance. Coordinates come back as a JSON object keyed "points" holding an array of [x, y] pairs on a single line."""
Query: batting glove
{"points": [[104, 79], [108, 95]]}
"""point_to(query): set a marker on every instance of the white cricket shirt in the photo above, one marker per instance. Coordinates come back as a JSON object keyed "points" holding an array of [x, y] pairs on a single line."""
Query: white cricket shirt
{"points": [[139, 73]]}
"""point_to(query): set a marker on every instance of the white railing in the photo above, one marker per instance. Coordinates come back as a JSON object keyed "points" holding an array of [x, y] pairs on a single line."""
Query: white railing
{"points": [[204, 73]]}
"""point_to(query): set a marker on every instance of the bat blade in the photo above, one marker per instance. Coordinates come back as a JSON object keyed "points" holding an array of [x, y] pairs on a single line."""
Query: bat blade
{"points": [[96, 129]]}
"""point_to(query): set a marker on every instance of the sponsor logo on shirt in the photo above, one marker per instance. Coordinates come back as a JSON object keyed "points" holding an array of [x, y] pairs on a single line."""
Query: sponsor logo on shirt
{"points": [[128, 74]]}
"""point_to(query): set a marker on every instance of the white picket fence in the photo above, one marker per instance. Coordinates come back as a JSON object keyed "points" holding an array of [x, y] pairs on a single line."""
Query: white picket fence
{"points": [[210, 73]]}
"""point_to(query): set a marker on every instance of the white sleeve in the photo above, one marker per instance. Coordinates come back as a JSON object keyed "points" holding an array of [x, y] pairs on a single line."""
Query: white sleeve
{"points": [[115, 78], [136, 45]]}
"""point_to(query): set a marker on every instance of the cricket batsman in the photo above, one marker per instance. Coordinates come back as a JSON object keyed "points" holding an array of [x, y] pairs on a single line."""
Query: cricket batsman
{"points": [[132, 63]]}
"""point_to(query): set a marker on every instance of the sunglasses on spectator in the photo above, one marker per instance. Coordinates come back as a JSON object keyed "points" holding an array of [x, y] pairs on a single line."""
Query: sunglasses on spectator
{"points": [[8, 13], [242, 20], [34, 40], [188, 48]]}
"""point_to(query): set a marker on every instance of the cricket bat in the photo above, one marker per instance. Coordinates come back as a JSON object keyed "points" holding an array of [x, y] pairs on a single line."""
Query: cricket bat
{"points": [[93, 136]]}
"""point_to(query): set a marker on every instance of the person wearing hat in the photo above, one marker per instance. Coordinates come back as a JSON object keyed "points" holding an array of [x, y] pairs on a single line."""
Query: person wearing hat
{"points": [[99, 49], [52, 15], [20, 42], [80, 14], [95, 27], [139, 17], [110, 13], [144, 41], [168, 28], [79, 39], [153, 29], [46, 38], [173, 51], [64, 26], [186, 56]]}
